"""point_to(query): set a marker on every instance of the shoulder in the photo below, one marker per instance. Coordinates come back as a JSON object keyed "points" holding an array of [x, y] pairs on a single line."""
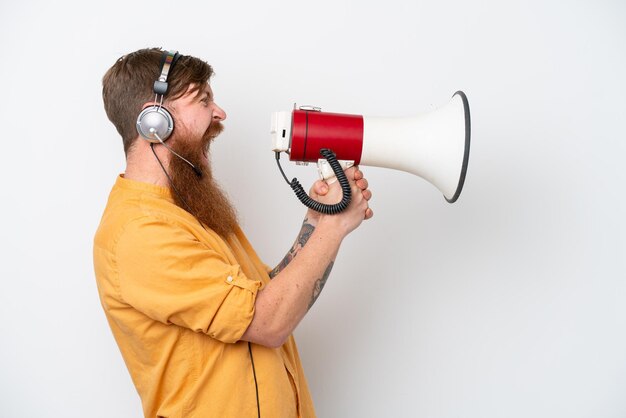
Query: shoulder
{"points": [[144, 215]]}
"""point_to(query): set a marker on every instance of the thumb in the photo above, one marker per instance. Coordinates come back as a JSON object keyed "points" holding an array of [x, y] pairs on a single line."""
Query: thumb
{"points": [[320, 187]]}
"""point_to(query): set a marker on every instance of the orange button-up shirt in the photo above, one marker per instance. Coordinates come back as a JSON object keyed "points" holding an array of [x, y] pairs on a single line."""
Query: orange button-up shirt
{"points": [[178, 298]]}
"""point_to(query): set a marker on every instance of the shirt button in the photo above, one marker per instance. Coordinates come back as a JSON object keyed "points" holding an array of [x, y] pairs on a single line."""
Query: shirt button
{"points": [[229, 279]]}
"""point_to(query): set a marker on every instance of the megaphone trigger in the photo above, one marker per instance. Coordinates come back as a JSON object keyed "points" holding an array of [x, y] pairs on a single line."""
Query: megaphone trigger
{"points": [[326, 171]]}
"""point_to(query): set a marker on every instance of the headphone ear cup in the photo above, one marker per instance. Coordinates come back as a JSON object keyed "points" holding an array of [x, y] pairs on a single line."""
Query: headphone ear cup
{"points": [[155, 122]]}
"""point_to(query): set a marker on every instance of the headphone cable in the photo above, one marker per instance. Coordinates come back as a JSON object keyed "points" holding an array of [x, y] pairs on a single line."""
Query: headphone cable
{"points": [[169, 179]]}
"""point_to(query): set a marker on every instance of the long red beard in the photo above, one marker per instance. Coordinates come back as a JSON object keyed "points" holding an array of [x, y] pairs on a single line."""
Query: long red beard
{"points": [[201, 196]]}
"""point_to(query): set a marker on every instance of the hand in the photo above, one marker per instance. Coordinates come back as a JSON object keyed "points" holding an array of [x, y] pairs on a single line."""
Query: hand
{"points": [[324, 193], [362, 184]]}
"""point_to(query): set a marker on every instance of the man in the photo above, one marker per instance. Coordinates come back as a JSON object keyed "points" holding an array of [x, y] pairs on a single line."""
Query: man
{"points": [[203, 325]]}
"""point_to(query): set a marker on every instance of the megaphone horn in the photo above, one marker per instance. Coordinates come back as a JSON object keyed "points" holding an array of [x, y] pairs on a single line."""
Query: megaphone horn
{"points": [[433, 145]]}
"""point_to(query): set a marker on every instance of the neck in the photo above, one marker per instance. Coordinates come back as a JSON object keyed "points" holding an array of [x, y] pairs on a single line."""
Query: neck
{"points": [[141, 165]]}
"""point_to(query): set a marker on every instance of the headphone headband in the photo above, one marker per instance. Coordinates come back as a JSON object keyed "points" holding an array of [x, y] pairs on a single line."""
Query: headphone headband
{"points": [[167, 63], [155, 123]]}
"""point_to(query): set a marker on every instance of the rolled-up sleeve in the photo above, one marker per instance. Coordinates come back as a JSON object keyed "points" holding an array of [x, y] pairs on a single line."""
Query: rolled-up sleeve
{"points": [[166, 273]]}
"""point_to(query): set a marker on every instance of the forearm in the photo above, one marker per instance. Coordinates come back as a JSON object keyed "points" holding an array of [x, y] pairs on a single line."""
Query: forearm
{"points": [[308, 226], [282, 304], [299, 279]]}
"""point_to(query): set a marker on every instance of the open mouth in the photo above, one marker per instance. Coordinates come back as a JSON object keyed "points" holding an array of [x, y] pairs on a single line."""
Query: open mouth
{"points": [[205, 154]]}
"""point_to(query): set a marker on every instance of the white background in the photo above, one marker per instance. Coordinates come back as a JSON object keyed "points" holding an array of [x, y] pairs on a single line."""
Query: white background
{"points": [[509, 303]]}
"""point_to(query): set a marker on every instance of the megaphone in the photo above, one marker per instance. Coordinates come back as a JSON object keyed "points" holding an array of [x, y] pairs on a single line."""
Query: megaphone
{"points": [[433, 145]]}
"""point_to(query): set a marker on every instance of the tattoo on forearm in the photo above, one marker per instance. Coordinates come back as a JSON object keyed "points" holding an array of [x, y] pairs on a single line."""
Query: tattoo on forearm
{"points": [[319, 285], [305, 233]]}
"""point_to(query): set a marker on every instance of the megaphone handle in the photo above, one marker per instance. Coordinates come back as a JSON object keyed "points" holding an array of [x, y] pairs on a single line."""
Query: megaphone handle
{"points": [[326, 171], [318, 206]]}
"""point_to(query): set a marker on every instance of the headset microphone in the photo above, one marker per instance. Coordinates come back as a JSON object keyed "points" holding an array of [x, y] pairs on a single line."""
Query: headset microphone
{"points": [[195, 169]]}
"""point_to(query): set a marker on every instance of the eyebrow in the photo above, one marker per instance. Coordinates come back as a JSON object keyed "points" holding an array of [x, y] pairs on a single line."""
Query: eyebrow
{"points": [[199, 93]]}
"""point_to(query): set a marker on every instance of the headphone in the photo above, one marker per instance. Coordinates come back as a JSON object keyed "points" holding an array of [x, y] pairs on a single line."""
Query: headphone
{"points": [[155, 124]]}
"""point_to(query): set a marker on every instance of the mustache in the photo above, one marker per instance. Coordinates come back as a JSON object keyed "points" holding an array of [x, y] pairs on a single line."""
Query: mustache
{"points": [[215, 128]]}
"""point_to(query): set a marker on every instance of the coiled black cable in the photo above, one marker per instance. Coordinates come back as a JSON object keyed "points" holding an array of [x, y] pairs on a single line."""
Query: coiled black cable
{"points": [[313, 204]]}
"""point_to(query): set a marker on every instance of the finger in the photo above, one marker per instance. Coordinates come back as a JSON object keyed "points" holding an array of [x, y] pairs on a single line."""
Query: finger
{"points": [[358, 174], [362, 184], [350, 172], [368, 213], [320, 187], [367, 195]]}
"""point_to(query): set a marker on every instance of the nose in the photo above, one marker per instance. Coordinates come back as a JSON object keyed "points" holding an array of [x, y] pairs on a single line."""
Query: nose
{"points": [[218, 113]]}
